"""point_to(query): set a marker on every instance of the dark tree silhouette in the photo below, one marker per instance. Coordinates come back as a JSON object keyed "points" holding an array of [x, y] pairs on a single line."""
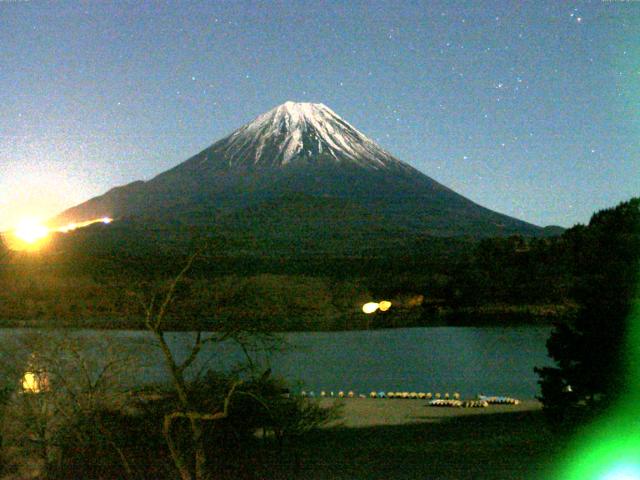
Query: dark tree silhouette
{"points": [[589, 349]]}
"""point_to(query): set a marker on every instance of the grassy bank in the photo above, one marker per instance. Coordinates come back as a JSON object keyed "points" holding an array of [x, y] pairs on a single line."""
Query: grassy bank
{"points": [[412, 441]]}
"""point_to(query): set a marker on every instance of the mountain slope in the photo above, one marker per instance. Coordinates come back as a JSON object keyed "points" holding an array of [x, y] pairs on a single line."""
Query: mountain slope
{"points": [[299, 169]]}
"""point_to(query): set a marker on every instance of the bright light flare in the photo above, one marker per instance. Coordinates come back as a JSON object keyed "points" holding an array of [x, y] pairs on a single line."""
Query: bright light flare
{"points": [[623, 472], [31, 231], [31, 234], [70, 227]]}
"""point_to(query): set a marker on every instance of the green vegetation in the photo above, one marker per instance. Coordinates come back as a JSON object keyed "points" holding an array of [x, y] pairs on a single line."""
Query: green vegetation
{"points": [[83, 280]]}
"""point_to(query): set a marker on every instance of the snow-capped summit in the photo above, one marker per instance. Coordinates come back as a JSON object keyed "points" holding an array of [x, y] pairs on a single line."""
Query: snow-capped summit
{"points": [[302, 131]]}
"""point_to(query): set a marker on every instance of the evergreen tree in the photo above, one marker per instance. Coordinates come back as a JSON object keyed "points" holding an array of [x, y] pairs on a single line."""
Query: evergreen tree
{"points": [[589, 349]]}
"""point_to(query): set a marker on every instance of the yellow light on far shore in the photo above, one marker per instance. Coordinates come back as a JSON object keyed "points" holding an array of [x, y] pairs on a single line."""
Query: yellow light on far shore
{"points": [[370, 307], [384, 305]]}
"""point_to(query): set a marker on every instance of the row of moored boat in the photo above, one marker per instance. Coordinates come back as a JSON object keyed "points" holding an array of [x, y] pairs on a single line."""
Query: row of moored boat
{"points": [[435, 400]]}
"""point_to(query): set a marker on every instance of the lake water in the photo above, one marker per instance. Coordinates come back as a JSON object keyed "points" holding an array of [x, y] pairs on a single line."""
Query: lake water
{"points": [[467, 360]]}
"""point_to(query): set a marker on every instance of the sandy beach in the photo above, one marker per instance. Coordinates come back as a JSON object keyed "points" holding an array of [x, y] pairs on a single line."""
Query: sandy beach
{"points": [[370, 412]]}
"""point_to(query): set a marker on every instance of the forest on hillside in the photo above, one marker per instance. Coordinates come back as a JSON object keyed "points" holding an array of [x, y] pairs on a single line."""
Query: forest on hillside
{"points": [[104, 277]]}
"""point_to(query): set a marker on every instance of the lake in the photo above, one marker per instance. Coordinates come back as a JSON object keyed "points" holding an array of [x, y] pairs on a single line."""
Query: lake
{"points": [[468, 360]]}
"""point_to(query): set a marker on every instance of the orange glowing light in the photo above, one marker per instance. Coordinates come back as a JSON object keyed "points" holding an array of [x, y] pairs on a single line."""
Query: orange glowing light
{"points": [[30, 383], [384, 305], [35, 382], [31, 234], [31, 231]]}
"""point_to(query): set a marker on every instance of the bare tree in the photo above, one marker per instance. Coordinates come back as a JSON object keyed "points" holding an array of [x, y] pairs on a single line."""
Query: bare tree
{"points": [[155, 316], [56, 379]]}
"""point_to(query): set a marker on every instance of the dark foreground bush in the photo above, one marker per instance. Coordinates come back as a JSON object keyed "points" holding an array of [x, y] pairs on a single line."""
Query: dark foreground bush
{"points": [[259, 432]]}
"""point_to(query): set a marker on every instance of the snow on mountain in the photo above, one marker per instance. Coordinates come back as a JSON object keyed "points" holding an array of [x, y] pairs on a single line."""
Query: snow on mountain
{"points": [[303, 130]]}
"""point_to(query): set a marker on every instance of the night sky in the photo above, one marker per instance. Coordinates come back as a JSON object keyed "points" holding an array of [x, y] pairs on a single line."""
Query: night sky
{"points": [[528, 108]]}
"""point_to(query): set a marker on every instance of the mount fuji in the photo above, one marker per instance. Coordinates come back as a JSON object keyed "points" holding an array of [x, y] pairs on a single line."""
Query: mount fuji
{"points": [[299, 171]]}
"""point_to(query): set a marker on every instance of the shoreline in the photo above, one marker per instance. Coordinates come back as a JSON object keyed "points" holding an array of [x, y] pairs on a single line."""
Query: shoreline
{"points": [[21, 325]]}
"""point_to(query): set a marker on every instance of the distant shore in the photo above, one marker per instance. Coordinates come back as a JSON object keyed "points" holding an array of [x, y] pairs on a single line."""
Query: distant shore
{"points": [[460, 318]]}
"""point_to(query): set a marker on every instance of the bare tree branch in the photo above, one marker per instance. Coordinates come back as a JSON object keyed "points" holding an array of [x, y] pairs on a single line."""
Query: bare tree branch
{"points": [[170, 293], [195, 350]]}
